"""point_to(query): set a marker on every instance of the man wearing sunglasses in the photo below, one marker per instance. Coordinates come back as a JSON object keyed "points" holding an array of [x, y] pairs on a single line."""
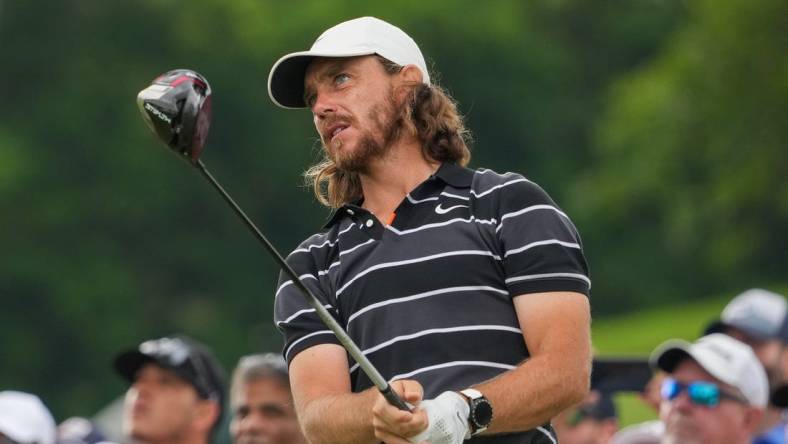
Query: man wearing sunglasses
{"points": [[715, 391], [759, 318], [176, 392]]}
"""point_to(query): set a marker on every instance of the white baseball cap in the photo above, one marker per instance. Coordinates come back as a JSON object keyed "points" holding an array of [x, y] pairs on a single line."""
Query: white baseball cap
{"points": [[357, 37], [727, 359], [24, 418]]}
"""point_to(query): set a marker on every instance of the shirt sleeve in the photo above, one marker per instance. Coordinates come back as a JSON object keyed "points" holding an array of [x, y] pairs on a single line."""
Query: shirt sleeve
{"points": [[541, 248], [294, 316]]}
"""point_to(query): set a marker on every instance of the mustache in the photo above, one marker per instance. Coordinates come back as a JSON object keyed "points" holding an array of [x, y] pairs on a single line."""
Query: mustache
{"points": [[331, 121]]}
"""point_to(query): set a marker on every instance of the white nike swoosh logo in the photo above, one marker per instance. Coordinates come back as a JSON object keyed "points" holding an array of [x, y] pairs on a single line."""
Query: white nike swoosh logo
{"points": [[440, 210]]}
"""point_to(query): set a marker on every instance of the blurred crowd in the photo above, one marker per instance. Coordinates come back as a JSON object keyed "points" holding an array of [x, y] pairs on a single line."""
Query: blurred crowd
{"points": [[176, 394], [728, 386]]}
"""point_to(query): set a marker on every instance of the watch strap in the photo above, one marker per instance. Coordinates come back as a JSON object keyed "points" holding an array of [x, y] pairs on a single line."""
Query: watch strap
{"points": [[472, 393], [474, 397]]}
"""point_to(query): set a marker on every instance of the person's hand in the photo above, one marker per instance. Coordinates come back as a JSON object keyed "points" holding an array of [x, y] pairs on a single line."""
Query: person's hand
{"points": [[448, 420], [394, 426]]}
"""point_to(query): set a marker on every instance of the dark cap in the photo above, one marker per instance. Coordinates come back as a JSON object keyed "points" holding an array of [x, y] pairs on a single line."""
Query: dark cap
{"points": [[598, 406], [185, 357]]}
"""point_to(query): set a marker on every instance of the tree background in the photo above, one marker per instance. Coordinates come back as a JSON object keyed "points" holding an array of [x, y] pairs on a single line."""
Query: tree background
{"points": [[658, 125]]}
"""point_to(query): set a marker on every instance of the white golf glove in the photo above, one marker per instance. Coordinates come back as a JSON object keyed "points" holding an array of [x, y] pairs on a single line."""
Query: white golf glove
{"points": [[448, 420]]}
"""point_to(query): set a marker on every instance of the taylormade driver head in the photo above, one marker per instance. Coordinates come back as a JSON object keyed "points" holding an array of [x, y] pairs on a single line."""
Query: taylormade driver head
{"points": [[177, 108]]}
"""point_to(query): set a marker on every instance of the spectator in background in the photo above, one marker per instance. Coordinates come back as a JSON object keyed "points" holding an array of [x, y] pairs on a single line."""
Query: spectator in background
{"points": [[593, 421], [25, 419], [715, 391], [261, 402], [648, 432], [758, 318], [176, 393], [651, 394], [78, 430]]}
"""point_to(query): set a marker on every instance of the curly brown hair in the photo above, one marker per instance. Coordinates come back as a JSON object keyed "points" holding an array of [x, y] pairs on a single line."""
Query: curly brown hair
{"points": [[431, 115]]}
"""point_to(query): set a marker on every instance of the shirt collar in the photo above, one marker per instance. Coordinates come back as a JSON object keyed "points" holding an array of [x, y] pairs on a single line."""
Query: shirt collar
{"points": [[455, 175], [347, 210], [449, 172]]}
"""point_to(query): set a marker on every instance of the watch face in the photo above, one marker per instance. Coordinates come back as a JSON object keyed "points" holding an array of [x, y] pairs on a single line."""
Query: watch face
{"points": [[482, 413]]}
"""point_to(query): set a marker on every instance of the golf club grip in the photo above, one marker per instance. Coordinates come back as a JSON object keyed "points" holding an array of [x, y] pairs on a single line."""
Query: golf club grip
{"points": [[351, 347], [393, 398]]}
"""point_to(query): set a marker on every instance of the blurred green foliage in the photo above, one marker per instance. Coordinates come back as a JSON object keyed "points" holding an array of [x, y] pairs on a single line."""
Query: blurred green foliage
{"points": [[657, 124], [690, 170]]}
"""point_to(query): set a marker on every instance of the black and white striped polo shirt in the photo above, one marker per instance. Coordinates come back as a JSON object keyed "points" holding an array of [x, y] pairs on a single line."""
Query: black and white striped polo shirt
{"points": [[429, 297]]}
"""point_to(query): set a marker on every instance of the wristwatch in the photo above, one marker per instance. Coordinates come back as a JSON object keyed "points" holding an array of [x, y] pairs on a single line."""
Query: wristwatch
{"points": [[481, 411]]}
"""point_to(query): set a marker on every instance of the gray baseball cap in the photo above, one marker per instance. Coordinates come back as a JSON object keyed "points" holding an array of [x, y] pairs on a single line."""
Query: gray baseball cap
{"points": [[758, 313]]}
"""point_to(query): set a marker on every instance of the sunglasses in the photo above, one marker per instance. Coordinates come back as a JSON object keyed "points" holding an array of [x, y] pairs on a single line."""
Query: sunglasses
{"points": [[176, 352], [707, 394]]}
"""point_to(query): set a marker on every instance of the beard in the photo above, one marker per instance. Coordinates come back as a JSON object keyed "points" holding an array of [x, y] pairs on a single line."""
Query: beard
{"points": [[386, 128]]}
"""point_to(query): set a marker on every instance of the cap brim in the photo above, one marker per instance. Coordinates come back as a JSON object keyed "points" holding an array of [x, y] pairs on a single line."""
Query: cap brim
{"points": [[752, 332], [716, 326], [286, 79], [668, 356], [128, 363]]}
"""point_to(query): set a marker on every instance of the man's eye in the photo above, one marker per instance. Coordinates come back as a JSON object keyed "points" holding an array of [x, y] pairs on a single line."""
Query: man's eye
{"points": [[309, 100], [341, 78]]}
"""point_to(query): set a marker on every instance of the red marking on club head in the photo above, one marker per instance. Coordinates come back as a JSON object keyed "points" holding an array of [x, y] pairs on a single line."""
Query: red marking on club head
{"points": [[181, 79], [202, 126]]}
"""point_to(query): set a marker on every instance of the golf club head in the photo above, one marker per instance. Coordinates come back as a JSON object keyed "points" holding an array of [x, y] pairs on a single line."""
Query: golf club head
{"points": [[177, 108]]}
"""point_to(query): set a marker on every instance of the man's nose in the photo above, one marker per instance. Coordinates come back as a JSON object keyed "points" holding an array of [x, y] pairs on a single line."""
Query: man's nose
{"points": [[323, 105], [253, 423], [682, 402], [141, 386]]}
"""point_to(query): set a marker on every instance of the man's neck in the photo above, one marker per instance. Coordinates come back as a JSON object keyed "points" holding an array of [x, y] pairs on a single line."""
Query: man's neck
{"points": [[393, 176]]}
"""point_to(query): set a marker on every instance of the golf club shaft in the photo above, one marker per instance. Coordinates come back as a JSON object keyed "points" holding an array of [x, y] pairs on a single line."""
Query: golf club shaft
{"points": [[321, 311]]}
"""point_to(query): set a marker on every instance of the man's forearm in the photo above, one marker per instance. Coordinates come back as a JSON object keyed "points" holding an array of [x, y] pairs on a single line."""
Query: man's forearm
{"points": [[534, 392], [339, 419]]}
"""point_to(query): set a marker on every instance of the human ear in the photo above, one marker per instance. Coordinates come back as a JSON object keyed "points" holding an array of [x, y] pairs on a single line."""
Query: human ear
{"points": [[206, 414], [753, 419], [411, 74]]}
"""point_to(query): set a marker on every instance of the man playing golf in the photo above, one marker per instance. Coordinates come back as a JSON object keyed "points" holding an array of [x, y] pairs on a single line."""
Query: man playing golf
{"points": [[466, 288]]}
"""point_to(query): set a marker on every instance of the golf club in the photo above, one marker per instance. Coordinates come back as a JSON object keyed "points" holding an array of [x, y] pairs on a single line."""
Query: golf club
{"points": [[177, 108]]}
